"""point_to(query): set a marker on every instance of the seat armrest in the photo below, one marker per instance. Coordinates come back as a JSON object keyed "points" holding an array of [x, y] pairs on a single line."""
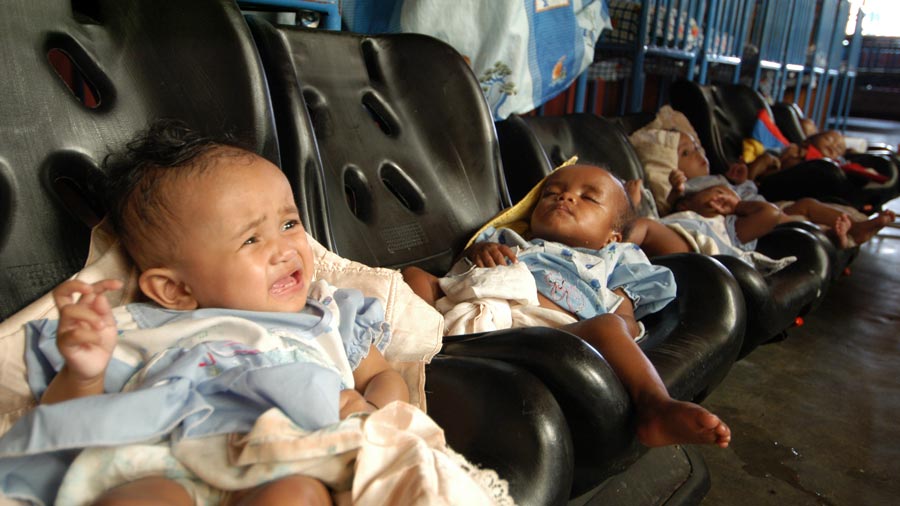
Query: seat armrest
{"points": [[695, 339], [692, 342], [596, 406], [502, 417]]}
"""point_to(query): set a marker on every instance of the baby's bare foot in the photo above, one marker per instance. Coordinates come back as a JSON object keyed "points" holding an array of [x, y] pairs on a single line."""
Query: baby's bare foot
{"points": [[673, 422], [838, 231], [862, 231]]}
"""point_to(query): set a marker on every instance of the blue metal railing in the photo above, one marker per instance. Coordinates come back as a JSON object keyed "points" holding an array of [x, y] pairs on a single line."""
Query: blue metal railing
{"points": [[329, 10], [724, 34], [848, 78], [801, 44]]}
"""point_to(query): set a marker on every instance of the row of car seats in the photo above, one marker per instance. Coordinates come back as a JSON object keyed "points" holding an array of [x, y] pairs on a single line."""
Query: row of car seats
{"points": [[773, 302], [410, 168], [394, 160]]}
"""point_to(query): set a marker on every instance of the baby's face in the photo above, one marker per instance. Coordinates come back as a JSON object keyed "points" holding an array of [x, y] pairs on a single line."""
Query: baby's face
{"points": [[691, 157], [579, 206], [243, 246], [831, 144], [712, 201]]}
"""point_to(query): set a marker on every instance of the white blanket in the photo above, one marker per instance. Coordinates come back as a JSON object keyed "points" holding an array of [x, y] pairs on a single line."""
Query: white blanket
{"points": [[400, 455], [483, 300]]}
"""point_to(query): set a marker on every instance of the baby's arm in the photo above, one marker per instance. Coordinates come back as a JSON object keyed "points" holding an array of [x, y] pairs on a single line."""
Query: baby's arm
{"points": [[626, 312], [756, 218], [764, 164], [86, 337], [677, 179], [378, 382], [791, 155], [489, 254]]}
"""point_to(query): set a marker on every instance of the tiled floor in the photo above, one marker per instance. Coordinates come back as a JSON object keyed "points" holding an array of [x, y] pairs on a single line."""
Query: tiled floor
{"points": [[816, 417]]}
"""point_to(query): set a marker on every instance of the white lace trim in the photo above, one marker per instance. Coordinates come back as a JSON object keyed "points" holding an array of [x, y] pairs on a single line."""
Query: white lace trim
{"points": [[496, 487]]}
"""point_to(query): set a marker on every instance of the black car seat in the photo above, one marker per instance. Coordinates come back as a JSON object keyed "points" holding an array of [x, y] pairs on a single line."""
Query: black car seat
{"points": [[112, 74], [411, 169], [83, 77], [819, 179], [772, 302], [724, 115]]}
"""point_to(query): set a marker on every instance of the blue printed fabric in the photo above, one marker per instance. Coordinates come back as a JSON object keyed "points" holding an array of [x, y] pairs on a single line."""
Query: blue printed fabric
{"points": [[582, 280], [523, 52]]}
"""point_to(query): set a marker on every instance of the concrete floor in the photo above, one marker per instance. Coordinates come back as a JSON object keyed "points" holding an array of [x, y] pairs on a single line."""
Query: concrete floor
{"points": [[816, 417]]}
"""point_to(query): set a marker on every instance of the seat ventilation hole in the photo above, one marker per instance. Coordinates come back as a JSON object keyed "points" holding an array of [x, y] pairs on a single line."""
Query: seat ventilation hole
{"points": [[357, 193], [381, 114], [402, 187], [77, 182], [370, 58], [78, 72]]}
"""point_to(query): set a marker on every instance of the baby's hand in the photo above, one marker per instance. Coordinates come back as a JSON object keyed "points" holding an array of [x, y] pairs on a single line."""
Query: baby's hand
{"points": [[791, 155], [765, 164], [87, 331], [723, 204], [352, 401], [677, 179], [738, 172], [490, 254], [633, 188]]}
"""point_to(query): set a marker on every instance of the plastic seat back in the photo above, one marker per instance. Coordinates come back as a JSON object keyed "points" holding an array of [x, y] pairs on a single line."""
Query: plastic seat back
{"points": [[410, 157], [81, 79], [551, 140], [722, 115]]}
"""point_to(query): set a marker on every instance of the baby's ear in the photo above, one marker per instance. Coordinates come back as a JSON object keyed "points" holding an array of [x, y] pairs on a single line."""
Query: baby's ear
{"points": [[614, 236], [163, 286]]}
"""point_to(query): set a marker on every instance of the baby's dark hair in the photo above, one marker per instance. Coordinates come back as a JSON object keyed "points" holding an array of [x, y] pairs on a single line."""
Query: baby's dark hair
{"points": [[142, 177]]}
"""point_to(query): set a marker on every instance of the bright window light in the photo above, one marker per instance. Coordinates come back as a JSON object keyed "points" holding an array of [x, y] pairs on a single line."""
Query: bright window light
{"points": [[881, 18]]}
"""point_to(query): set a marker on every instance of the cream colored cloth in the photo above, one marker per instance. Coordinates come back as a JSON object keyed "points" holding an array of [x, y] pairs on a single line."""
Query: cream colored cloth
{"points": [[670, 119], [482, 300], [417, 328], [658, 151], [396, 455]]}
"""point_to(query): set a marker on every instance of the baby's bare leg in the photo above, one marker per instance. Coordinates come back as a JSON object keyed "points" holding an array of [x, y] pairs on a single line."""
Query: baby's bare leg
{"points": [[655, 238], [661, 420], [294, 490], [423, 283], [147, 492], [815, 211]]}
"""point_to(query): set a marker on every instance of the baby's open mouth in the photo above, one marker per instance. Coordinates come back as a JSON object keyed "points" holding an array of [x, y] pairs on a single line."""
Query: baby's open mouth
{"points": [[287, 284]]}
